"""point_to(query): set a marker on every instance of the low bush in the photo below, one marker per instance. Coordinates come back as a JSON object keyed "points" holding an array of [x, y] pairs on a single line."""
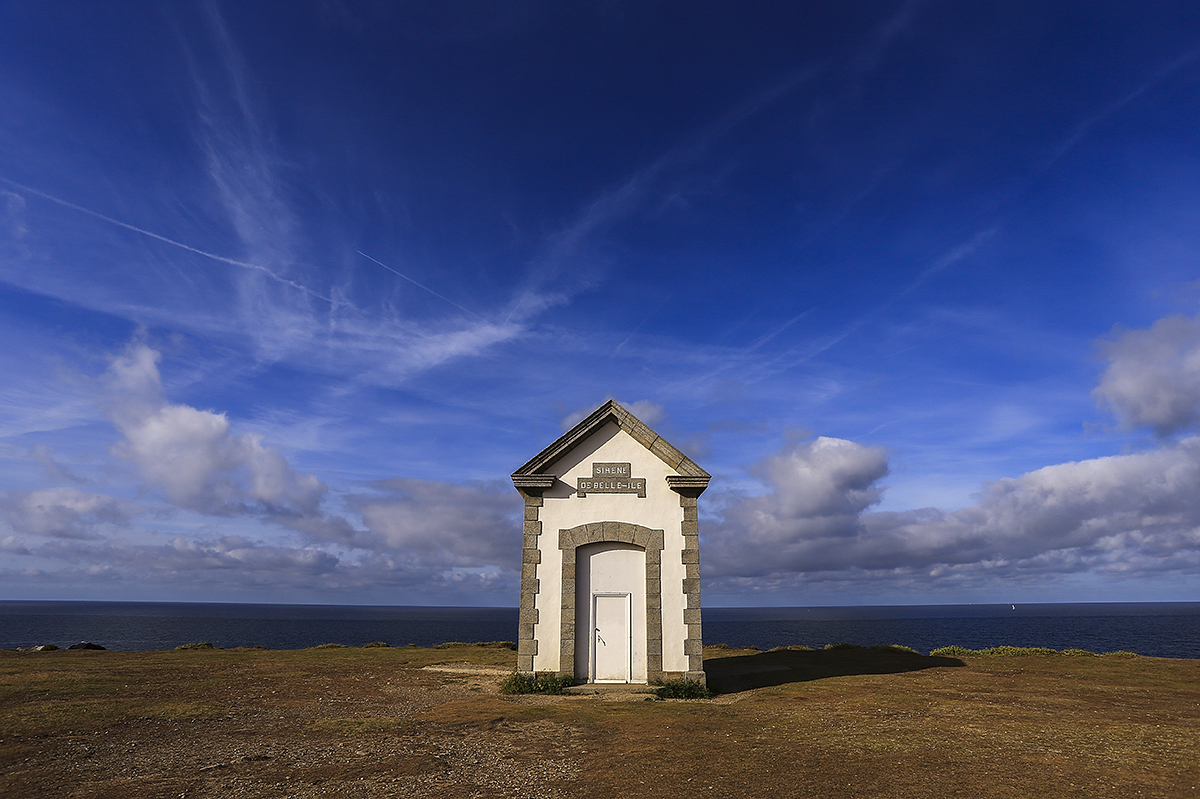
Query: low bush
{"points": [[682, 689], [999, 651], [521, 683], [375, 645], [196, 645], [908, 650], [1012, 651], [486, 644], [330, 646]]}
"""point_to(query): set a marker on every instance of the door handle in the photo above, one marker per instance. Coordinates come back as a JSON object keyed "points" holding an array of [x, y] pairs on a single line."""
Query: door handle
{"points": [[598, 638]]}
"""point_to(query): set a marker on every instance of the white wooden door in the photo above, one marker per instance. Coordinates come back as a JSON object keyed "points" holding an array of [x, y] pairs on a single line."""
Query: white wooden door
{"points": [[610, 638]]}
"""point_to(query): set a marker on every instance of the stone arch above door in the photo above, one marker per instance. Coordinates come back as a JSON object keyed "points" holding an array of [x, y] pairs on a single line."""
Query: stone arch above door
{"points": [[617, 532]]}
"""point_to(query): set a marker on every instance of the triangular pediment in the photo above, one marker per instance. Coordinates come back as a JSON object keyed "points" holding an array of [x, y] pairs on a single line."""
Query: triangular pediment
{"points": [[611, 411]]}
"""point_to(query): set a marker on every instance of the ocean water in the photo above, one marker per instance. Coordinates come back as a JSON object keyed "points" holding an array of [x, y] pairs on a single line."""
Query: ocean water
{"points": [[132, 626], [1153, 628], [1159, 629]]}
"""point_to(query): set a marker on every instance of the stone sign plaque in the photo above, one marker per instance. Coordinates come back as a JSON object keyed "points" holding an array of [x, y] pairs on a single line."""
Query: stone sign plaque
{"points": [[611, 478]]}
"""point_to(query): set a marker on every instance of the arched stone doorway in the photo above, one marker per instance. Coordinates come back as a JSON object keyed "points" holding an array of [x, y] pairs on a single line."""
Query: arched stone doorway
{"points": [[610, 569]]}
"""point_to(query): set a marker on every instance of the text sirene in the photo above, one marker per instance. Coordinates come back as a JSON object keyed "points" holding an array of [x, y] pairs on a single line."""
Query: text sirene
{"points": [[611, 478]]}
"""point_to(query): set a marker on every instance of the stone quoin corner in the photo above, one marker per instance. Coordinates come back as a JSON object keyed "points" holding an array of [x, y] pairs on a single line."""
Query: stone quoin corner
{"points": [[610, 566]]}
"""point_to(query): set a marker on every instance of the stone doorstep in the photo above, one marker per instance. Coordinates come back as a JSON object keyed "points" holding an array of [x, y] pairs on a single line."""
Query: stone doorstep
{"points": [[611, 688]]}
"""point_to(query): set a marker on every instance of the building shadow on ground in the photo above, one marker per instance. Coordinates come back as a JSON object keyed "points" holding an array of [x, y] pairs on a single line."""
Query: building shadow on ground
{"points": [[731, 673]]}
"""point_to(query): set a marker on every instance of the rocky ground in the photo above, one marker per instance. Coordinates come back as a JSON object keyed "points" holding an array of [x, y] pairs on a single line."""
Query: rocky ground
{"points": [[431, 723]]}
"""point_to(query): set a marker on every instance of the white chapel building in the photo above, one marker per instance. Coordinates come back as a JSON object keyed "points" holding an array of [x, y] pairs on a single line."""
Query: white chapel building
{"points": [[610, 567]]}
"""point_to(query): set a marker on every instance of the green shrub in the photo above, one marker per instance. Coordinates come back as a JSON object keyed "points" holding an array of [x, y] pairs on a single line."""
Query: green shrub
{"points": [[1013, 651], [1120, 653], [450, 645], [330, 646], [908, 650], [498, 644], [682, 689], [196, 645], [521, 683], [873, 648], [375, 645], [1079, 653], [994, 651]]}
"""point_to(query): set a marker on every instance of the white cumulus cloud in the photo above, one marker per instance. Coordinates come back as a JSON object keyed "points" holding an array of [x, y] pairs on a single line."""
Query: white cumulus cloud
{"points": [[1130, 514], [193, 456], [819, 490], [426, 523], [1153, 376], [1122, 514], [14, 545], [62, 512]]}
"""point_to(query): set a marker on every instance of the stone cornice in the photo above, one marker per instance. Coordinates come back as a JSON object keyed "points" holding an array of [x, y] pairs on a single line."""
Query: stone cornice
{"points": [[533, 482], [688, 484]]}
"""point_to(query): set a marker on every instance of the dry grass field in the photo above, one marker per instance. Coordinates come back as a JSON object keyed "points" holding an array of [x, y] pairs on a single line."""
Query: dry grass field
{"points": [[412, 722]]}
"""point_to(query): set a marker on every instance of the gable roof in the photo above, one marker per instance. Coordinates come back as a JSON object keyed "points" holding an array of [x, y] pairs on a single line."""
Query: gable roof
{"points": [[612, 411]]}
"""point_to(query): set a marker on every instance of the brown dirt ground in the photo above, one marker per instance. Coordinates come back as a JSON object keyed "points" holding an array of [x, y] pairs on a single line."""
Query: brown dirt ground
{"points": [[381, 723]]}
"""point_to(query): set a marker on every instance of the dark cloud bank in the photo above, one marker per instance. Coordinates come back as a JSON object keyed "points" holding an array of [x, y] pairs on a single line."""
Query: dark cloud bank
{"points": [[1134, 514]]}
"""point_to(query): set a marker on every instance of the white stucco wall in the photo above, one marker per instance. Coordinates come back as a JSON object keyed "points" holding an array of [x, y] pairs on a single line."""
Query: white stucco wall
{"points": [[563, 509]]}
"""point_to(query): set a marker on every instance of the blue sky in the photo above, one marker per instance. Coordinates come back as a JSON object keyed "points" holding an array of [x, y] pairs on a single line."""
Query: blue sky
{"points": [[288, 289]]}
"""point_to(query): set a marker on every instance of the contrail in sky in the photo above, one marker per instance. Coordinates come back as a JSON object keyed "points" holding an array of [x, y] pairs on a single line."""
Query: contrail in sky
{"points": [[1155, 79], [172, 242], [418, 285]]}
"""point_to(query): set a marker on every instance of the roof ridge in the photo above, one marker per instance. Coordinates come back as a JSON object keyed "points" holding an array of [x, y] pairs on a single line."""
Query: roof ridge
{"points": [[612, 410]]}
